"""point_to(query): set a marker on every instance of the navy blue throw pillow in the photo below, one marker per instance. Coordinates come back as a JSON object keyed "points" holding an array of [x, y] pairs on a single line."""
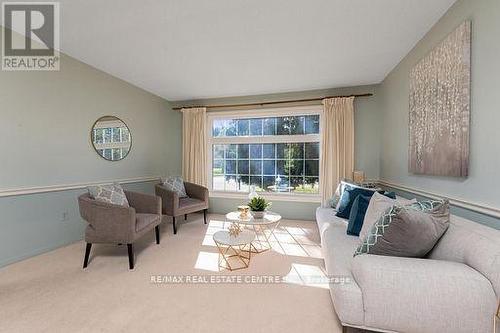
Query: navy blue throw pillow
{"points": [[357, 215], [347, 199]]}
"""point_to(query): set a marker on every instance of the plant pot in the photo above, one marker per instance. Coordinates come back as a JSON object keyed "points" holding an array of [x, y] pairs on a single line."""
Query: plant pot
{"points": [[258, 215]]}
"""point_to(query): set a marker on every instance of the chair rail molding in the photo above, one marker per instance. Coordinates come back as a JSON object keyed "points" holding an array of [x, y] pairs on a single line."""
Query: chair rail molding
{"points": [[457, 202], [74, 186]]}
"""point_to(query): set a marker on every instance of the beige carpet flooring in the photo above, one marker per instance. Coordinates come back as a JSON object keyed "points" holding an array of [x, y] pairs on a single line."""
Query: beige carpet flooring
{"points": [[52, 293]]}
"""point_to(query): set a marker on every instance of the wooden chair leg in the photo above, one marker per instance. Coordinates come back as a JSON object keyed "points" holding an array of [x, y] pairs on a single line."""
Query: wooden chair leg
{"points": [[157, 233], [205, 216], [87, 254], [185, 217], [130, 248], [173, 223]]}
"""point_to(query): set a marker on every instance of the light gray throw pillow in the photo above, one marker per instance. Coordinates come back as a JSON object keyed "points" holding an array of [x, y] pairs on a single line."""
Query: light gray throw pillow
{"points": [[379, 203], [176, 184], [112, 193], [407, 231]]}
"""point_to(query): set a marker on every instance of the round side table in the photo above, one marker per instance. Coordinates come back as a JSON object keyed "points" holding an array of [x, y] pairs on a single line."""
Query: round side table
{"points": [[262, 227], [238, 247]]}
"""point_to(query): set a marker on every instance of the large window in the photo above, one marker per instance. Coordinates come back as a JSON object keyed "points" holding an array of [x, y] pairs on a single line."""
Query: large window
{"points": [[275, 152]]}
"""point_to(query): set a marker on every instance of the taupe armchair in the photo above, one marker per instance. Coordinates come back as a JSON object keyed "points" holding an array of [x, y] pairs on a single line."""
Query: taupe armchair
{"points": [[108, 223], [173, 206]]}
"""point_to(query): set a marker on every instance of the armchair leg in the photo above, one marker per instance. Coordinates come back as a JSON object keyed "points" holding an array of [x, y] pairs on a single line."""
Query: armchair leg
{"points": [[157, 233], [205, 216], [87, 254], [130, 248], [185, 217], [173, 223]]}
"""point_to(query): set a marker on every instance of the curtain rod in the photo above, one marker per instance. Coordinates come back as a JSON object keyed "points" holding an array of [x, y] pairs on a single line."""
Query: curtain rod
{"points": [[270, 103]]}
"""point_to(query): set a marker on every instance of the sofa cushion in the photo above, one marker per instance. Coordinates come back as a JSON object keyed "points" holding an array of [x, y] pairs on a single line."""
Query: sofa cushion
{"points": [[325, 218], [423, 295], [337, 248], [357, 215], [189, 202], [111, 193], [189, 205], [407, 231]]}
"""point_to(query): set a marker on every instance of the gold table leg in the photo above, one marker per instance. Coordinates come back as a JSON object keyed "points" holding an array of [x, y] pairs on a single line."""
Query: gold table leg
{"points": [[239, 253], [261, 242]]}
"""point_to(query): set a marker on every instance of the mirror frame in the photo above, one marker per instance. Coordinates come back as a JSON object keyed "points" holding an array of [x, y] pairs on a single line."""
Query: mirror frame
{"points": [[92, 138]]}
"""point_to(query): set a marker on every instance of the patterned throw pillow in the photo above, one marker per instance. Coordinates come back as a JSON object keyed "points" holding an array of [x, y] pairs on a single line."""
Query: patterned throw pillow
{"points": [[336, 197], [176, 184], [407, 231], [378, 205], [112, 194]]}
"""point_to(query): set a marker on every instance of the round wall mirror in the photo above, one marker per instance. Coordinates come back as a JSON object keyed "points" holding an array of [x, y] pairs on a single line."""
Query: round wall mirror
{"points": [[111, 138]]}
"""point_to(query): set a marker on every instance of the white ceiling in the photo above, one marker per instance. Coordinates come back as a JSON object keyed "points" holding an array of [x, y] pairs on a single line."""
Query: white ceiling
{"points": [[188, 49]]}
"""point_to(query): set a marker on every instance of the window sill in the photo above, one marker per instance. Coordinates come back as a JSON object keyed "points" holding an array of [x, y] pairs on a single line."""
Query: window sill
{"points": [[313, 198]]}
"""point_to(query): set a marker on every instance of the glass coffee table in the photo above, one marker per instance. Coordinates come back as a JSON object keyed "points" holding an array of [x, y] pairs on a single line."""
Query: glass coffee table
{"points": [[262, 227], [231, 247]]}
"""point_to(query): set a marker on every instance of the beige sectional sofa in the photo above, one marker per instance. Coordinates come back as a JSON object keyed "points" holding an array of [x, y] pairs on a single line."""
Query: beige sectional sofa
{"points": [[456, 289]]}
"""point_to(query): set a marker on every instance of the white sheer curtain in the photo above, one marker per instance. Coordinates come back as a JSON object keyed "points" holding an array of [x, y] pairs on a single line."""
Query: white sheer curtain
{"points": [[337, 144], [194, 155]]}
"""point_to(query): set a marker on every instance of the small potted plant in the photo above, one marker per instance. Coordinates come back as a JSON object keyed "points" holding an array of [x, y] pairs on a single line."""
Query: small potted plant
{"points": [[258, 206]]}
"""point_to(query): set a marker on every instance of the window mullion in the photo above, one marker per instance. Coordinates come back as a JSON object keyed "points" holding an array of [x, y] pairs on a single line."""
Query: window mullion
{"points": [[266, 139]]}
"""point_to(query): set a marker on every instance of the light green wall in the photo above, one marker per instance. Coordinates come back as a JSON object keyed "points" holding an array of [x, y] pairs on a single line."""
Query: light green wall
{"points": [[45, 122], [483, 182], [367, 139], [289, 210], [46, 118], [33, 224]]}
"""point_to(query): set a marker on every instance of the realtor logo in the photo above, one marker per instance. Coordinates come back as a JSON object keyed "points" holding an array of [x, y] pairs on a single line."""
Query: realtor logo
{"points": [[30, 36]]}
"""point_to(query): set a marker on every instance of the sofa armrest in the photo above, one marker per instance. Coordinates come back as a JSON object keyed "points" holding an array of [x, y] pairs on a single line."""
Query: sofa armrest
{"points": [[144, 203], [196, 191], [169, 199], [109, 221], [424, 295]]}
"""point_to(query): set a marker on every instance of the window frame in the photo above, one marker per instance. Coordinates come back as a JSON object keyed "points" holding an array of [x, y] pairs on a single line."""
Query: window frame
{"points": [[262, 113], [112, 144]]}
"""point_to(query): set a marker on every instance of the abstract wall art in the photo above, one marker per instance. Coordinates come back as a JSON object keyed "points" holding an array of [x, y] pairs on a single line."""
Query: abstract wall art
{"points": [[440, 90]]}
